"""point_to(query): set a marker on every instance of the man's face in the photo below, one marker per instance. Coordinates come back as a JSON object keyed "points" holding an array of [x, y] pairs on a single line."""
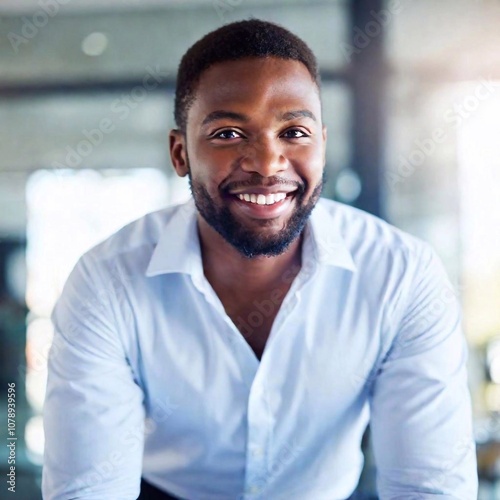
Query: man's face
{"points": [[254, 151]]}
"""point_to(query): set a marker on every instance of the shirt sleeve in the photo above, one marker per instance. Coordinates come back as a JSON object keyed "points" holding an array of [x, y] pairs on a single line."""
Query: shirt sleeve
{"points": [[420, 405], [93, 411]]}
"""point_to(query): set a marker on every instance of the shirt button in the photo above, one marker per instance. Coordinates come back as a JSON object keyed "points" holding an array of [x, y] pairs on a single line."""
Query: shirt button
{"points": [[257, 452], [253, 490]]}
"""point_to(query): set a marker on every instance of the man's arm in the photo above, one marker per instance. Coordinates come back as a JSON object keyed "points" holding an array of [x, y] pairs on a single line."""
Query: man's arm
{"points": [[421, 418], [93, 413]]}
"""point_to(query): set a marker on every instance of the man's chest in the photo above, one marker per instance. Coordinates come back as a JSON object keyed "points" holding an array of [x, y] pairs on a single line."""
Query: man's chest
{"points": [[255, 315], [201, 379]]}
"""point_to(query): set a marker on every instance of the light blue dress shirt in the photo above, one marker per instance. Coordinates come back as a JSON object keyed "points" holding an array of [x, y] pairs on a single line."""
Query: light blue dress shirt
{"points": [[148, 375]]}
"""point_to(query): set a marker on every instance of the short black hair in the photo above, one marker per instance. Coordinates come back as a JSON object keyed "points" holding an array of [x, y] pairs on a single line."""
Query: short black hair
{"points": [[238, 40]]}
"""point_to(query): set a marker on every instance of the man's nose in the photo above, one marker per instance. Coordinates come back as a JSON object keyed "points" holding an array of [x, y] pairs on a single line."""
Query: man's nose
{"points": [[265, 157]]}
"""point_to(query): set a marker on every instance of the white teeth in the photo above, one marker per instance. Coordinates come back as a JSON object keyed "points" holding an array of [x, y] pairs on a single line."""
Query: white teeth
{"points": [[261, 199], [275, 198]]}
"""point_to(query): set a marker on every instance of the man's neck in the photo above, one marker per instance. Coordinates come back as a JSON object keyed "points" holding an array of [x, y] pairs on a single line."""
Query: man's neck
{"points": [[227, 268]]}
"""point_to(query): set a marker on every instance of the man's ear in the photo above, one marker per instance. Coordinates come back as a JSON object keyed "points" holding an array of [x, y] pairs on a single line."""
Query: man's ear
{"points": [[178, 152]]}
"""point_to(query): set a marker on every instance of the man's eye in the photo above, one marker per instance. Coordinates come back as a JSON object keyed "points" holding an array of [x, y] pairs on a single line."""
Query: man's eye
{"points": [[226, 134], [294, 133]]}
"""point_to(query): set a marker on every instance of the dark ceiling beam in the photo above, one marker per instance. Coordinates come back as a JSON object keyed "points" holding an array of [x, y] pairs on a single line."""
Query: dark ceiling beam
{"points": [[368, 83], [21, 90]]}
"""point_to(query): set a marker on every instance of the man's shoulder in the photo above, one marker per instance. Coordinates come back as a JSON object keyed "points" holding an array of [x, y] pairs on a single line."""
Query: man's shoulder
{"points": [[366, 234], [138, 237]]}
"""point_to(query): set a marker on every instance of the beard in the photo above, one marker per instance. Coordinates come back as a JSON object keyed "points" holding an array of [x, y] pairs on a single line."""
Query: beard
{"points": [[250, 242]]}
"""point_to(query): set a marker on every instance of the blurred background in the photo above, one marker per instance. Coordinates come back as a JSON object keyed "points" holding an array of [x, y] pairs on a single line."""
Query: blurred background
{"points": [[411, 92]]}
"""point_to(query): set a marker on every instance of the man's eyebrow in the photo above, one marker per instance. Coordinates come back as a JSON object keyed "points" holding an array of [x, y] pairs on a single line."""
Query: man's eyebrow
{"points": [[231, 115], [291, 115], [221, 115]]}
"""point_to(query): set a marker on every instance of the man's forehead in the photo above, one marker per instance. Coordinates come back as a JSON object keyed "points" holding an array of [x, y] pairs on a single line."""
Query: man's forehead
{"points": [[255, 69], [245, 82]]}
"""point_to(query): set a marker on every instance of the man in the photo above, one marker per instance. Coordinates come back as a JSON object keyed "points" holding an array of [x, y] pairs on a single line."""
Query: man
{"points": [[237, 346]]}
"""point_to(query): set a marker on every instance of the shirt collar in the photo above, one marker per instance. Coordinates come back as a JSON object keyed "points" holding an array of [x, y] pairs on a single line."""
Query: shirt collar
{"points": [[178, 248], [330, 247]]}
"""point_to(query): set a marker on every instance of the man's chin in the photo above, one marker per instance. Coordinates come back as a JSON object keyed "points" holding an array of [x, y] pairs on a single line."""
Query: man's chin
{"points": [[252, 248], [261, 237]]}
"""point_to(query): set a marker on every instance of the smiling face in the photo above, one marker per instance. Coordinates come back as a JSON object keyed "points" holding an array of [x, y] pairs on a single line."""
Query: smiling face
{"points": [[254, 150]]}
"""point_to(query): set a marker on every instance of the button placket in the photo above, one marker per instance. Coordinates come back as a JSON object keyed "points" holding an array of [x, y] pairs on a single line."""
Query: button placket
{"points": [[293, 298], [259, 430]]}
